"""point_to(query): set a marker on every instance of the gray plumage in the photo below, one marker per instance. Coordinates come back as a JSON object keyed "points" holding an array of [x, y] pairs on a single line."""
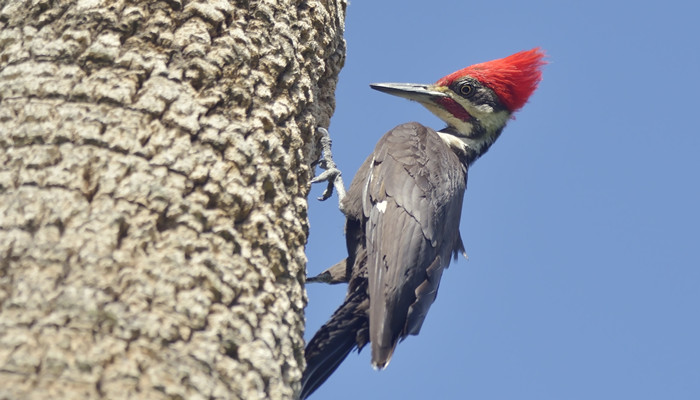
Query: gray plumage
{"points": [[403, 210], [410, 238]]}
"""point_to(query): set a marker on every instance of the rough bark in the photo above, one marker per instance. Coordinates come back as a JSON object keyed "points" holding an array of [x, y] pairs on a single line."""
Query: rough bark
{"points": [[154, 160]]}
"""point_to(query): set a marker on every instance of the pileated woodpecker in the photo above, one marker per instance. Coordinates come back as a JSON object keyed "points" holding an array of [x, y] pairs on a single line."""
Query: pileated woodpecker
{"points": [[403, 209]]}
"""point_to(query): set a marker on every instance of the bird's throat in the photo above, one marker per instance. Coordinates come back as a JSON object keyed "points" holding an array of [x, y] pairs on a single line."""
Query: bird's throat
{"points": [[469, 148]]}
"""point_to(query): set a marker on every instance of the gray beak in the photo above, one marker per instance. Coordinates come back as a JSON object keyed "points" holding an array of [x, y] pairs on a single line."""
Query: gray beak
{"points": [[411, 91]]}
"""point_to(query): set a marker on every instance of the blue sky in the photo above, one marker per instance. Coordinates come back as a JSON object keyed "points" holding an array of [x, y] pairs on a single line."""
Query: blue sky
{"points": [[582, 223]]}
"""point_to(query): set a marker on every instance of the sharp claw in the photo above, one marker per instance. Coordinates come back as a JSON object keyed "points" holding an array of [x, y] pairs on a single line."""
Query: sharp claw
{"points": [[332, 174], [327, 175], [326, 193]]}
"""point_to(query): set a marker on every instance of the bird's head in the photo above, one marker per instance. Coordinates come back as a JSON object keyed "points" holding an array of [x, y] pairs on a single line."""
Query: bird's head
{"points": [[476, 102]]}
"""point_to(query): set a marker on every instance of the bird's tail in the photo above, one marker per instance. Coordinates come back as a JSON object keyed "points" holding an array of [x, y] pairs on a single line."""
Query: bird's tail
{"points": [[347, 328]]}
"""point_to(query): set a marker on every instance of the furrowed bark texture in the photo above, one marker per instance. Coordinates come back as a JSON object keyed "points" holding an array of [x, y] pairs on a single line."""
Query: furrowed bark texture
{"points": [[154, 160]]}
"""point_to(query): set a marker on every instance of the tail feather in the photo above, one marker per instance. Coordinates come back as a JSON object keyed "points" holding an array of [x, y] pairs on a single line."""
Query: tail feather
{"points": [[348, 328]]}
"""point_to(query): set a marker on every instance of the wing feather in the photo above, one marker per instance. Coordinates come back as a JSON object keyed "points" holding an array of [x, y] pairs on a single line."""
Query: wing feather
{"points": [[419, 184]]}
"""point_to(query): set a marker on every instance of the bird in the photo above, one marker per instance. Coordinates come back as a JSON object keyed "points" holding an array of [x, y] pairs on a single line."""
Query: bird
{"points": [[404, 205]]}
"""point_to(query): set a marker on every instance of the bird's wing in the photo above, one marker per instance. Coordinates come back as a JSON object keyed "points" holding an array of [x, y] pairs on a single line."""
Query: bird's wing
{"points": [[411, 203]]}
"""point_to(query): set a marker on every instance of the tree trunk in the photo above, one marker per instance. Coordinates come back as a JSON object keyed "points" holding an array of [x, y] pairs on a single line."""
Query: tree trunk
{"points": [[154, 167]]}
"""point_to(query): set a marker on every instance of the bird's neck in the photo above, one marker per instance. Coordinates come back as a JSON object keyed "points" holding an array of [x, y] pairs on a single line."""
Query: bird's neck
{"points": [[469, 147]]}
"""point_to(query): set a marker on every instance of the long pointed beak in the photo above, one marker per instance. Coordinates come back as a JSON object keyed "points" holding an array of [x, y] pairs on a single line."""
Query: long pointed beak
{"points": [[411, 91]]}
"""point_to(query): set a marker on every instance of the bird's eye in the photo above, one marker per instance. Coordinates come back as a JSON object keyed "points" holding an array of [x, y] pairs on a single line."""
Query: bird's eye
{"points": [[466, 89]]}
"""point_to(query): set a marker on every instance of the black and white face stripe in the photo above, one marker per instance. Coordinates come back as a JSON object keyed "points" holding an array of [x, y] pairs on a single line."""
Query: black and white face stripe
{"points": [[469, 148], [488, 117], [479, 95]]}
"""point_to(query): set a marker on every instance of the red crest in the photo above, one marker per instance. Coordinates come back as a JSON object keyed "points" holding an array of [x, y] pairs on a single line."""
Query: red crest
{"points": [[512, 78]]}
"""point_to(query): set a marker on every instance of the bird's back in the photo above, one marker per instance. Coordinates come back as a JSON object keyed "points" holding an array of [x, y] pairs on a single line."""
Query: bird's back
{"points": [[410, 191]]}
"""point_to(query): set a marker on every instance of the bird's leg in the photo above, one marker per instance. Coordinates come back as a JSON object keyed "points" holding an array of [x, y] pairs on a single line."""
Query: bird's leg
{"points": [[332, 174]]}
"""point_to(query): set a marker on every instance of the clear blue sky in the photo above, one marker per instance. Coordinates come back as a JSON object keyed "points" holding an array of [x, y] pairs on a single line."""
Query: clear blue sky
{"points": [[582, 223]]}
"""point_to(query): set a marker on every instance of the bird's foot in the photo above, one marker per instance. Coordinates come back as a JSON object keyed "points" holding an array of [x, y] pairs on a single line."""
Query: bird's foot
{"points": [[331, 173]]}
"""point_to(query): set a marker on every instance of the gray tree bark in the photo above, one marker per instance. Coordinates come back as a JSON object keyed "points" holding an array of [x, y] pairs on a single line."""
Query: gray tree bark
{"points": [[154, 168]]}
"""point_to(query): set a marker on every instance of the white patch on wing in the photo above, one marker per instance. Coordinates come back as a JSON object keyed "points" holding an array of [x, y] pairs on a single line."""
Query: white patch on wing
{"points": [[381, 207], [365, 189]]}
